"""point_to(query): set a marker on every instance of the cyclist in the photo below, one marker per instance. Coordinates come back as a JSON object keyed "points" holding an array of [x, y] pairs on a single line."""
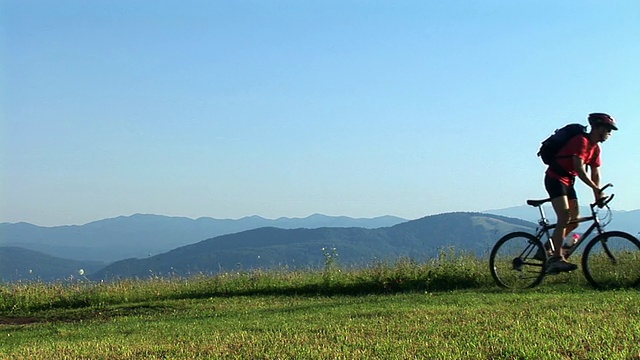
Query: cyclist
{"points": [[572, 160]]}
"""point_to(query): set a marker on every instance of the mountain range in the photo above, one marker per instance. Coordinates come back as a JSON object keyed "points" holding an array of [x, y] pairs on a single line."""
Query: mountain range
{"points": [[302, 248], [22, 264], [143, 235], [161, 245]]}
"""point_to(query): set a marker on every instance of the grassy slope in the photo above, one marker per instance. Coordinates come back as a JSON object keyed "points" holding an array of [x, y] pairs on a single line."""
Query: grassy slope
{"points": [[405, 311], [477, 324]]}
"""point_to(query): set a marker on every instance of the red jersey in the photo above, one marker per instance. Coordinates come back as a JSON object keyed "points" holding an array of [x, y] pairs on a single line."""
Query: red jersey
{"points": [[581, 147]]}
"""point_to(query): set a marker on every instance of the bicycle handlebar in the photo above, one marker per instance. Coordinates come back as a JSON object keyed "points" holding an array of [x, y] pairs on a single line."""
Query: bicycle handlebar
{"points": [[606, 186], [602, 202]]}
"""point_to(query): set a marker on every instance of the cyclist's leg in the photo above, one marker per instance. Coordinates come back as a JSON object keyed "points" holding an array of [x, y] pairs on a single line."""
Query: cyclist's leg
{"points": [[574, 213], [574, 209], [563, 213], [559, 194]]}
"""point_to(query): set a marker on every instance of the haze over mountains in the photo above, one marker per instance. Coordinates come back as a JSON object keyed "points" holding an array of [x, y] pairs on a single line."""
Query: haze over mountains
{"points": [[270, 246], [142, 245], [142, 235], [302, 248], [22, 264]]}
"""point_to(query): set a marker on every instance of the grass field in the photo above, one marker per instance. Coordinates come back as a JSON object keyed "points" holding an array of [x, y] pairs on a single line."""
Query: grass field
{"points": [[444, 309]]}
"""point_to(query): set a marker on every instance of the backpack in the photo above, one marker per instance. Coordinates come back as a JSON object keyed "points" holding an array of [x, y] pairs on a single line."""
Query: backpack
{"points": [[552, 145]]}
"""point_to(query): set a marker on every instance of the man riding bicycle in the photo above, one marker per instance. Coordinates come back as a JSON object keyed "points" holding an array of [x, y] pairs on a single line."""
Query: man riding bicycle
{"points": [[571, 162]]}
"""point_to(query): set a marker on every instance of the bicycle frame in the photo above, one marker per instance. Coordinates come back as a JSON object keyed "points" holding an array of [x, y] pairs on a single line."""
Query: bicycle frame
{"points": [[545, 227]]}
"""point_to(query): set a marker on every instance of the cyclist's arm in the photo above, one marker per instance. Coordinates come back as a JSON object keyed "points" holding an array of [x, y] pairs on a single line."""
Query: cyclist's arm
{"points": [[578, 165], [595, 177]]}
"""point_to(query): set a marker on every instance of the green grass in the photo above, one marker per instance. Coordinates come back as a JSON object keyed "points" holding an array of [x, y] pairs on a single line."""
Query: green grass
{"points": [[445, 309]]}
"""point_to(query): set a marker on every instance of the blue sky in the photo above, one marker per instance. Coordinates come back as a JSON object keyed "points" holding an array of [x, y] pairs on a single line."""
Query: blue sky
{"points": [[287, 108]]}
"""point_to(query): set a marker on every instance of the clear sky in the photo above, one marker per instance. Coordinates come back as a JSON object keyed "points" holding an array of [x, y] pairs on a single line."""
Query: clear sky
{"points": [[361, 108]]}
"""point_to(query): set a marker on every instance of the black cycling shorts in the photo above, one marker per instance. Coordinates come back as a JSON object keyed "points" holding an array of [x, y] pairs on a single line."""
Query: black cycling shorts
{"points": [[556, 188]]}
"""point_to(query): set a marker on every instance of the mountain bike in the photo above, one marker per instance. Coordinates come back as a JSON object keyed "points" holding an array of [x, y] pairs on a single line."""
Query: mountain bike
{"points": [[611, 259]]}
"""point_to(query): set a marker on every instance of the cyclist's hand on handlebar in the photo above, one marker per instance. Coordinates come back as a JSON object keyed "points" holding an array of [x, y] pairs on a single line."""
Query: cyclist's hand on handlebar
{"points": [[601, 198], [603, 201]]}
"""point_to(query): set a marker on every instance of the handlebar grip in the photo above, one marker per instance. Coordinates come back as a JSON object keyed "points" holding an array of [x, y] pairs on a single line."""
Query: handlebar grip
{"points": [[609, 199], [606, 186], [605, 201]]}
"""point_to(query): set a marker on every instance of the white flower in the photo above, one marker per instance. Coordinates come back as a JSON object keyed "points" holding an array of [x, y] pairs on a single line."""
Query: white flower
{"points": [[81, 272]]}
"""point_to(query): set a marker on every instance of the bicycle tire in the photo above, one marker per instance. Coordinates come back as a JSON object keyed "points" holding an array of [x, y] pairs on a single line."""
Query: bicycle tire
{"points": [[612, 260], [513, 262]]}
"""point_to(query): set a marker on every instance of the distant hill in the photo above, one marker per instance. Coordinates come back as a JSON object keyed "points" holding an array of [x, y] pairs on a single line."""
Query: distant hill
{"points": [[144, 235], [22, 264], [273, 247]]}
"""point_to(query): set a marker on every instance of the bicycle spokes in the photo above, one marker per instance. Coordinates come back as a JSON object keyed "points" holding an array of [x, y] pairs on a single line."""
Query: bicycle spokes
{"points": [[605, 247], [513, 261], [612, 260]]}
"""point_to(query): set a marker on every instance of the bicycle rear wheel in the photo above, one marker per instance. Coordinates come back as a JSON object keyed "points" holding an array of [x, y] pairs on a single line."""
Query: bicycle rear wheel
{"points": [[517, 261], [612, 260]]}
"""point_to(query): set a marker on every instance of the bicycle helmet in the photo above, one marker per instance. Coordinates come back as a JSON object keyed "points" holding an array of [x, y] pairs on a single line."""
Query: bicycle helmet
{"points": [[596, 119]]}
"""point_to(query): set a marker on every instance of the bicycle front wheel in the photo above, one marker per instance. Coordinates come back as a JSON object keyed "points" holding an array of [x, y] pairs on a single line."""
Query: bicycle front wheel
{"points": [[517, 261], [612, 260]]}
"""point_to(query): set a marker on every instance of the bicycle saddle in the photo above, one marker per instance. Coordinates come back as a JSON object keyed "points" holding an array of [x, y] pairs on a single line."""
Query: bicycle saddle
{"points": [[537, 203]]}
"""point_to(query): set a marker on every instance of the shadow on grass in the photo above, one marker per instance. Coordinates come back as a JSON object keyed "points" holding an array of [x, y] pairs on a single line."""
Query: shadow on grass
{"points": [[69, 315], [359, 288], [87, 308], [70, 310]]}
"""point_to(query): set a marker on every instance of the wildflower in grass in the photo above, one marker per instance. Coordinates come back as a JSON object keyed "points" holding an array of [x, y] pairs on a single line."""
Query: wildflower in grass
{"points": [[330, 264]]}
